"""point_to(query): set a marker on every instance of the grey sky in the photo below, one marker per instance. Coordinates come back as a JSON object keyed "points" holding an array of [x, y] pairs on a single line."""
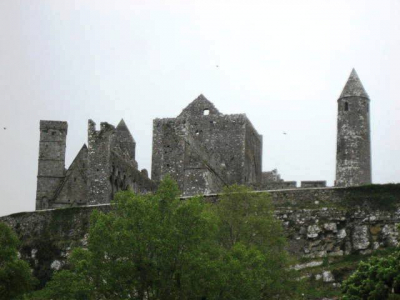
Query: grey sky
{"points": [[283, 63]]}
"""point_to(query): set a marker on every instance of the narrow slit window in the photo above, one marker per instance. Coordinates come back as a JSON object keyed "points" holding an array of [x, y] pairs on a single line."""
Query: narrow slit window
{"points": [[346, 106]]}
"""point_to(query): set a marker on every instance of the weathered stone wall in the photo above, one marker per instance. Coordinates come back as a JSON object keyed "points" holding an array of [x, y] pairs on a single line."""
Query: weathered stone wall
{"points": [[252, 156], [313, 184], [125, 175], [51, 169], [97, 172], [203, 149], [353, 156], [99, 162], [326, 222], [277, 185], [74, 188]]}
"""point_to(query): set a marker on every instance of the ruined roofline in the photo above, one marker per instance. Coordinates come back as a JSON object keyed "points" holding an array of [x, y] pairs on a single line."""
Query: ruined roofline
{"points": [[68, 173], [104, 126], [198, 105], [260, 136]]}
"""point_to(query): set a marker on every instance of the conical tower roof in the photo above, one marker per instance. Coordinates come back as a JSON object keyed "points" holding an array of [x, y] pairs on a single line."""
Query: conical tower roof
{"points": [[122, 130], [122, 126], [353, 87]]}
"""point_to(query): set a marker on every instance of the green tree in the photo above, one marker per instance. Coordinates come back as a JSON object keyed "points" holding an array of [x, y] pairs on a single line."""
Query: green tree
{"points": [[375, 279], [254, 241], [160, 247], [15, 274]]}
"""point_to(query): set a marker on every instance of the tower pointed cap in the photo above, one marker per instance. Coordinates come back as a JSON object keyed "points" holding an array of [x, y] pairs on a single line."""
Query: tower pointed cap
{"points": [[122, 126], [353, 87]]}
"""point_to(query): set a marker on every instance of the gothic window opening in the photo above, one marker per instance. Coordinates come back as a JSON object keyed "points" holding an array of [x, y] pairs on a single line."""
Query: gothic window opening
{"points": [[206, 112]]}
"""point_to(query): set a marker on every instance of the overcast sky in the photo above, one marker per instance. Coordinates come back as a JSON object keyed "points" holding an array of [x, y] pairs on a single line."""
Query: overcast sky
{"points": [[283, 63]]}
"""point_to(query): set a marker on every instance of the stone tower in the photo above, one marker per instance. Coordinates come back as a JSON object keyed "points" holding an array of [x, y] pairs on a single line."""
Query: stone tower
{"points": [[51, 170], [204, 150], [99, 162], [353, 155]]}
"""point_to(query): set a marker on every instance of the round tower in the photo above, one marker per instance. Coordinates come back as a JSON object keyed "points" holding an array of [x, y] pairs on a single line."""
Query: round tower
{"points": [[353, 155]]}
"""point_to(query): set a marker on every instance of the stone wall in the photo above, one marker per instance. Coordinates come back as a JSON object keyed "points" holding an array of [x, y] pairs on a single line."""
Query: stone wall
{"points": [[326, 222], [203, 149]]}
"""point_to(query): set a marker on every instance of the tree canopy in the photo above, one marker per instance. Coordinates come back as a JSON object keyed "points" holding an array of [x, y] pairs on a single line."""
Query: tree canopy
{"points": [[375, 279], [160, 247], [15, 274]]}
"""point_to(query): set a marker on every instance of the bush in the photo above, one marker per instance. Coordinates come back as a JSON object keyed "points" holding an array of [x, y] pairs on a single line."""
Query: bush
{"points": [[377, 278], [15, 274]]}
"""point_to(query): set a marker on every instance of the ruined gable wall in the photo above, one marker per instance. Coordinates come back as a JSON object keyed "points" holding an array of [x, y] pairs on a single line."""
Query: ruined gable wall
{"points": [[224, 135], [185, 157], [74, 189]]}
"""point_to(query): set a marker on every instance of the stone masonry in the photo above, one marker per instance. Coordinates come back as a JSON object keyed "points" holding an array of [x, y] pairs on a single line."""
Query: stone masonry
{"points": [[323, 222], [97, 172], [353, 156], [202, 149]]}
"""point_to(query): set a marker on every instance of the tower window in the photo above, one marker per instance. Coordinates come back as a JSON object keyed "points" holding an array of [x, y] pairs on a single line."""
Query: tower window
{"points": [[206, 112], [346, 106]]}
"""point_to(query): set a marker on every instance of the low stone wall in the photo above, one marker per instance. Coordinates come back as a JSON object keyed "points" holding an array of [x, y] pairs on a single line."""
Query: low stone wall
{"points": [[318, 223]]}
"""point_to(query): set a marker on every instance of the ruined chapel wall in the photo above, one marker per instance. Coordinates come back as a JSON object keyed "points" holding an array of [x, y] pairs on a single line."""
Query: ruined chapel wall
{"points": [[168, 150], [253, 156], [99, 162], [124, 175], [74, 188], [225, 136]]}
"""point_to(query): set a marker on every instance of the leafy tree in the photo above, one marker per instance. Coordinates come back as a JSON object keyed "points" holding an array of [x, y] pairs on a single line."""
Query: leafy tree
{"points": [[255, 244], [377, 278], [159, 247], [15, 274]]}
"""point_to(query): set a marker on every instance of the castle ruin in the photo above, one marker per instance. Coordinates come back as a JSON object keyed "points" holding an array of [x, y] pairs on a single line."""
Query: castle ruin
{"points": [[202, 149]]}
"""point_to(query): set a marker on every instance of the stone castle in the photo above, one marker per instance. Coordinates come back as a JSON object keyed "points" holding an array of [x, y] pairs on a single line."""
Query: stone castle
{"points": [[202, 149]]}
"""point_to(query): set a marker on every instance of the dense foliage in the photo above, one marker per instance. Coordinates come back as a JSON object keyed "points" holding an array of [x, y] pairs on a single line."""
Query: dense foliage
{"points": [[376, 279], [15, 275], [159, 247]]}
